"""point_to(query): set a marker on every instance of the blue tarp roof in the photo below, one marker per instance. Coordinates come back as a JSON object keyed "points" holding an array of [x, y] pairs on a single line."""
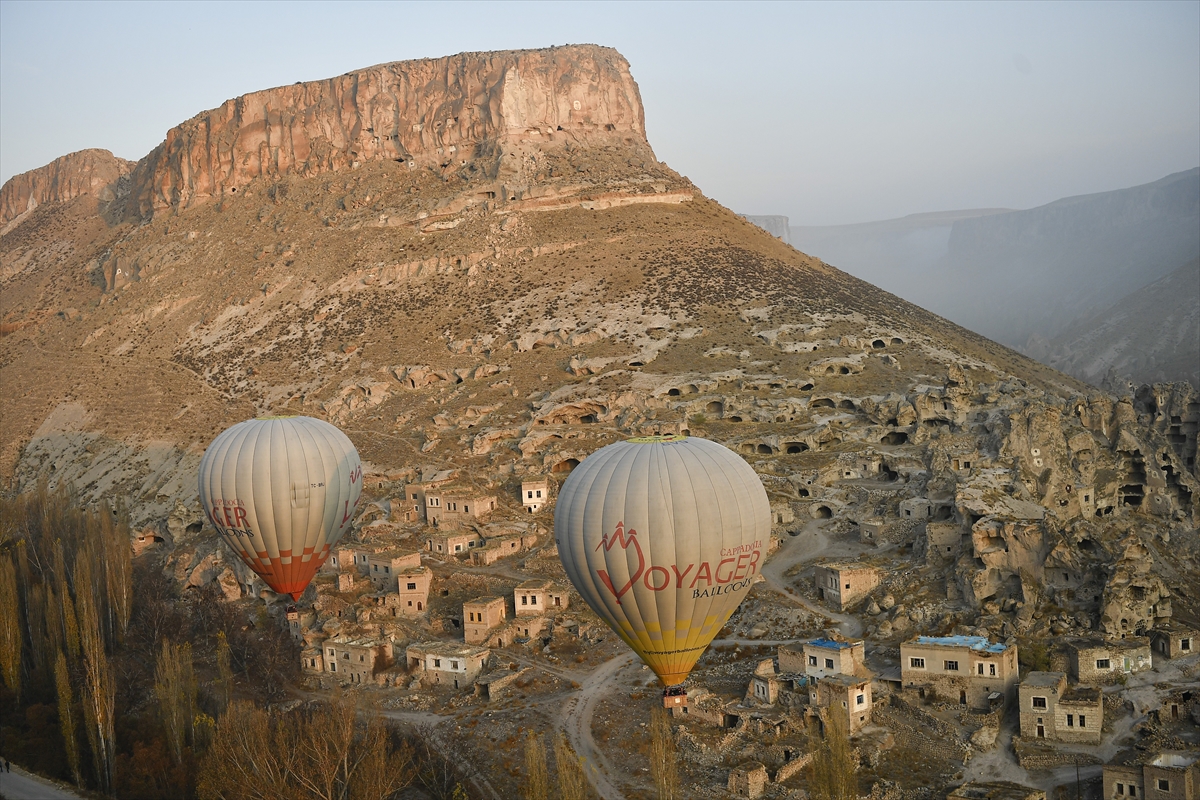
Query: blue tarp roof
{"points": [[829, 643], [973, 642]]}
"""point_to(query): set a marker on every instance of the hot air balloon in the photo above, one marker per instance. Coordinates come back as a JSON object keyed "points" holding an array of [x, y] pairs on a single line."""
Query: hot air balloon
{"points": [[281, 491], [663, 536]]}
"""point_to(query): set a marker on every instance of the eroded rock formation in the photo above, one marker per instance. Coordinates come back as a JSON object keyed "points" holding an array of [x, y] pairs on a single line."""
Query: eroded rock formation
{"points": [[87, 172]]}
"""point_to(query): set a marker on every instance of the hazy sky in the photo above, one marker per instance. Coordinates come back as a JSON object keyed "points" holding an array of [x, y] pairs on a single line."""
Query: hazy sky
{"points": [[829, 113]]}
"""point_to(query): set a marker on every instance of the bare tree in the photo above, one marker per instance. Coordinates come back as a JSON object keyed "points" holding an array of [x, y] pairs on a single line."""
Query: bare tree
{"points": [[572, 783], [117, 552], [832, 770], [100, 694], [10, 625], [664, 765], [250, 758], [537, 777], [66, 716], [224, 687], [175, 690]]}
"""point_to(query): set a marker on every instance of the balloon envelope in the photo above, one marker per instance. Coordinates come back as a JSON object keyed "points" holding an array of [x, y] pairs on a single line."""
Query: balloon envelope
{"points": [[281, 491], [663, 536]]}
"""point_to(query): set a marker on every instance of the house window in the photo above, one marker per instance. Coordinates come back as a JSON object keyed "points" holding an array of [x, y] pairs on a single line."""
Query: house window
{"points": [[346, 655], [533, 600], [917, 663], [812, 661], [829, 663], [1070, 720], [375, 568], [847, 586], [333, 667], [1164, 785], [332, 654], [1185, 644], [1039, 702], [991, 669], [951, 666], [529, 494], [1132, 790], [981, 669], [1120, 789], [437, 662], [524, 600], [860, 699], [362, 658], [458, 548], [1103, 663], [453, 665], [539, 492], [1082, 721], [411, 586]]}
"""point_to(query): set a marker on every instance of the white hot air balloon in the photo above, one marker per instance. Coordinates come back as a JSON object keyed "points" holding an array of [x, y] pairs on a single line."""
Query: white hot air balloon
{"points": [[663, 536], [281, 491]]}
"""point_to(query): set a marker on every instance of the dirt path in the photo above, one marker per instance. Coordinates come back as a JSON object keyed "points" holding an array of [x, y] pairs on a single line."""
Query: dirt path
{"points": [[22, 785], [808, 545], [431, 722], [577, 721]]}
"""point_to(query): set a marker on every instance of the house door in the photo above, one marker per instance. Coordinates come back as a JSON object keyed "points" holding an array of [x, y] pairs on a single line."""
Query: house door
{"points": [[1174, 712], [962, 697], [1041, 731]]}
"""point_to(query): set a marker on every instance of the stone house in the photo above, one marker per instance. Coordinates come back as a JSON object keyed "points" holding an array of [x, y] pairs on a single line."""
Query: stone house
{"points": [[530, 627], [995, 790], [361, 560], [1180, 705], [871, 531], [765, 684], [1050, 710], [1096, 660], [1169, 775], [535, 493], [822, 657], [748, 780], [454, 544], [447, 663], [496, 548], [384, 568], [480, 616], [413, 589], [340, 558], [943, 542], [411, 505], [299, 620], [845, 694], [845, 585], [354, 660], [967, 669], [311, 660], [1174, 640], [451, 507], [539, 596], [915, 508]]}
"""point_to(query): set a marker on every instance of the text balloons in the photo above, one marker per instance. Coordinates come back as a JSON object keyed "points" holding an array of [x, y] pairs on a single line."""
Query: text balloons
{"points": [[663, 536], [281, 491]]}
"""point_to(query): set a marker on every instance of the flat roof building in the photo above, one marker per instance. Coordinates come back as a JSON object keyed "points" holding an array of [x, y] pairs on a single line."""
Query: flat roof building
{"points": [[964, 669], [822, 656], [1051, 710], [539, 596], [845, 585], [447, 663], [480, 616]]}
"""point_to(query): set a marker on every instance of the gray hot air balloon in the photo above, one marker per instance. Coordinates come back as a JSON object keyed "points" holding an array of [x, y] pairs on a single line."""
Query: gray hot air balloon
{"points": [[663, 536], [281, 491]]}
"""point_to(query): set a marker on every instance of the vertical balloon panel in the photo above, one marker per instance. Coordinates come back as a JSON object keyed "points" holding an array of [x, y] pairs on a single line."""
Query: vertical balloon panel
{"points": [[663, 537], [281, 491]]}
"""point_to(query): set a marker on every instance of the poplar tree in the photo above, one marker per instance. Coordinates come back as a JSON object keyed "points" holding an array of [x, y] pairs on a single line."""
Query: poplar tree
{"points": [[66, 716], [100, 689], [832, 772], [572, 784], [175, 690], [10, 626], [664, 765], [224, 672], [537, 777]]}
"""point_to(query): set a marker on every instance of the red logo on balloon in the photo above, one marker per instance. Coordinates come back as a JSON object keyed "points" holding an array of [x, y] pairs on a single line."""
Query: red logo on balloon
{"points": [[625, 540]]}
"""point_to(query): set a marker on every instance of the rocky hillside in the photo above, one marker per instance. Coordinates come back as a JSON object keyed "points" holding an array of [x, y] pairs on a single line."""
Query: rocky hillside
{"points": [[478, 264], [1152, 335]]}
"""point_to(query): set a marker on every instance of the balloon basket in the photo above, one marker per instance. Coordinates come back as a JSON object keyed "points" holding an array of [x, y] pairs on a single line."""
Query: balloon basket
{"points": [[674, 697]]}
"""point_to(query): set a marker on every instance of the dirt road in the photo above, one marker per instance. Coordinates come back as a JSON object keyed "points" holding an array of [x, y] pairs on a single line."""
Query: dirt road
{"points": [[577, 722], [810, 544], [22, 785]]}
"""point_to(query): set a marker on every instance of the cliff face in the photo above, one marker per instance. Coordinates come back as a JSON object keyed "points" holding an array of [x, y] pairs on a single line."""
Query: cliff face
{"points": [[446, 112], [87, 172]]}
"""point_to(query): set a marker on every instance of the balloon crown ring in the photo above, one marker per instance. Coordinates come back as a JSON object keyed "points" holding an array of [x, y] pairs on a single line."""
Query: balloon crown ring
{"points": [[669, 438]]}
